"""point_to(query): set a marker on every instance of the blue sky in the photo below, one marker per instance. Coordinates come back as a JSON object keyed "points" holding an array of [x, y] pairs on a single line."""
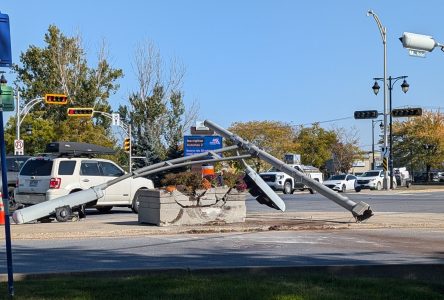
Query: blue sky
{"points": [[292, 61]]}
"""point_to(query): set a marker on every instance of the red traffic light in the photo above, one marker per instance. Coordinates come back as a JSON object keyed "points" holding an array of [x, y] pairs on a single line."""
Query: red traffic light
{"points": [[56, 99], [80, 112]]}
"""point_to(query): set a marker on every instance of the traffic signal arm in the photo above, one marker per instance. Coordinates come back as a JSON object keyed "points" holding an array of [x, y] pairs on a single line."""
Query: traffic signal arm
{"points": [[59, 99], [80, 112]]}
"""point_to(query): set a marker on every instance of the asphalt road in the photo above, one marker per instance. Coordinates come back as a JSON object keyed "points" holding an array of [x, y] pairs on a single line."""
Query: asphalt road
{"points": [[401, 200], [242, 249]]}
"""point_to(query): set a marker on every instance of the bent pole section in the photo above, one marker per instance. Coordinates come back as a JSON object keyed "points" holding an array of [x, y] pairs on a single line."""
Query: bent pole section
{"points": [[360, 211]]}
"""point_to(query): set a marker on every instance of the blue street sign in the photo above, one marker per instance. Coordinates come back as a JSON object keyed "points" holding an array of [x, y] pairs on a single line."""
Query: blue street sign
{"points": [[195, 144], [5, 42]]}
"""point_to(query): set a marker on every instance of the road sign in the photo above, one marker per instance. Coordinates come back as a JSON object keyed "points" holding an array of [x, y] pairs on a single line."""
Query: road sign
{"points": [[19, 147], [417, 53], [385, 163], [115, 119]]}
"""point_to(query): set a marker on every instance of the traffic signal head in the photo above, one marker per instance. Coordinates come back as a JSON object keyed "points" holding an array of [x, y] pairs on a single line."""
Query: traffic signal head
{"points": [[259, 189], [366, 114], [126, 145], [406, 112], [56, 99], [80, 112]]}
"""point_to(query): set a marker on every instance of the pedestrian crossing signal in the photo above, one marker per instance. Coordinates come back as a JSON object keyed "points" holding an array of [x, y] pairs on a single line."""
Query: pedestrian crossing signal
{"points": [[80, 112], [56, 99]]}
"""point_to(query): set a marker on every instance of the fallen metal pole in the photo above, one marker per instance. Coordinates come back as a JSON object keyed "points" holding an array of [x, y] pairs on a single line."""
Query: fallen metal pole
{"points": [[360, 211]]}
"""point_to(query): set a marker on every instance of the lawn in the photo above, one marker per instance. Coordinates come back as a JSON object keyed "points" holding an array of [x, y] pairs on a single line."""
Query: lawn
{"points": [[225, 285]]}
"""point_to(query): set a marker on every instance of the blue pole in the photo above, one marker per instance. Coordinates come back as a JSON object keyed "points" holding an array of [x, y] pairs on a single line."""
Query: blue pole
{"points": [[5, 198]]}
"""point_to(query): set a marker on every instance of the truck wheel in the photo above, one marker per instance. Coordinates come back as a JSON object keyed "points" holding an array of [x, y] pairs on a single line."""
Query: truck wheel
{"points": [[311, 191], [287, 187], [344, 188], [409, 184], [379, 186]]}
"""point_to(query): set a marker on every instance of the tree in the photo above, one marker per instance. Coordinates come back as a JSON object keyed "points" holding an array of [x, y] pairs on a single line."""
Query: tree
{"points": [[156, 111], [316, 145], [276, 138], [419, 142], [42, 133], [61, 67], [345, 150]]}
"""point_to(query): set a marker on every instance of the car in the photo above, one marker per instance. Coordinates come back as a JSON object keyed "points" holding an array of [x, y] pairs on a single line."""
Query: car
{"points": [[60, 173], [13, 165], [342, 183], [374, 180]]}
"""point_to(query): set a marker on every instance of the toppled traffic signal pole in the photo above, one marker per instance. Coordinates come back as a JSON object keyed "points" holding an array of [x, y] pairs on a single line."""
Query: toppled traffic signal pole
{"points": [[258, 188], [361, 210]]}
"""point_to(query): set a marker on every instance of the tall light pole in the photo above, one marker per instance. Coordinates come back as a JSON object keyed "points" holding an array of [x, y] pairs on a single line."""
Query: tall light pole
{"points": [[373, 139], [383, 31], [405, 87]]}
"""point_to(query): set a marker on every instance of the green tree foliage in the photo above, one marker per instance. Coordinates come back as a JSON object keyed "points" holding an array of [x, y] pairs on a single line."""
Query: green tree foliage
{"points": [[275, 137], [42, 133], [315, 145], [61, 67], [418, 142]]}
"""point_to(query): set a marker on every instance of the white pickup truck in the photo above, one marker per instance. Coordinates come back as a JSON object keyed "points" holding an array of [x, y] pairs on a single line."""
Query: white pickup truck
{"points": [[280, 181]]}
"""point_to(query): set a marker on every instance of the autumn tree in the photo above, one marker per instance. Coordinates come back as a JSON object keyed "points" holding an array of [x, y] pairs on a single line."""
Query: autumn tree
{"points": [[345, 150], [276, 138], [418, 142]]}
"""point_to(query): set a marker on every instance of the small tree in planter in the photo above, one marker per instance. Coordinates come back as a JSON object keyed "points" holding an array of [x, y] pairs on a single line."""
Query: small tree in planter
{"points": [[195, 186]]}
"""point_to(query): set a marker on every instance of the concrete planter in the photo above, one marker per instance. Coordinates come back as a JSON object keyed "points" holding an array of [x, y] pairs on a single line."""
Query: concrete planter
{"points": [[216, 205]]}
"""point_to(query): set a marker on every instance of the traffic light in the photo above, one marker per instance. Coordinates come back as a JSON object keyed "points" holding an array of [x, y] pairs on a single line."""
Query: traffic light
{"points": [[56, 99], [127, 145], [366, 114], [259, 189], [80, 112], [407, 112]]}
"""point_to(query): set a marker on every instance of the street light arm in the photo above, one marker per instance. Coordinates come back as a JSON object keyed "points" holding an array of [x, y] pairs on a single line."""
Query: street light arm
{"points": [[27, 108], [382, 29]]}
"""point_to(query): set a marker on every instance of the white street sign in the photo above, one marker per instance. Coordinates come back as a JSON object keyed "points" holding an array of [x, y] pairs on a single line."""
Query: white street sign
{"points": [[116, 119], [417, 53], [19, 147]]}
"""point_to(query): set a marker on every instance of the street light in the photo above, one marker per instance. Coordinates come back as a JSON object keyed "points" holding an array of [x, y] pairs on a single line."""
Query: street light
{"points": [[383, 31], [373, 138], [405, 87]]}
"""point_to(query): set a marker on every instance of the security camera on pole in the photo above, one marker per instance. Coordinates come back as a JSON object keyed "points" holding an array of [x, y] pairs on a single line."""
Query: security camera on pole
{"points": [[419, 44]]}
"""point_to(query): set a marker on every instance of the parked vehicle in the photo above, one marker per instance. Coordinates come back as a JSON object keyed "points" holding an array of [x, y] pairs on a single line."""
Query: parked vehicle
{"points": [[402, 177], [63, 172], [13, 166], [342, 183], [280, 181], [373, 179]]}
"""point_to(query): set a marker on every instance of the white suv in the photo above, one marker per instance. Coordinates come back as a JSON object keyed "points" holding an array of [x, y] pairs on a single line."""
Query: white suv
{"points": [[374, 180], [48, 177]]}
